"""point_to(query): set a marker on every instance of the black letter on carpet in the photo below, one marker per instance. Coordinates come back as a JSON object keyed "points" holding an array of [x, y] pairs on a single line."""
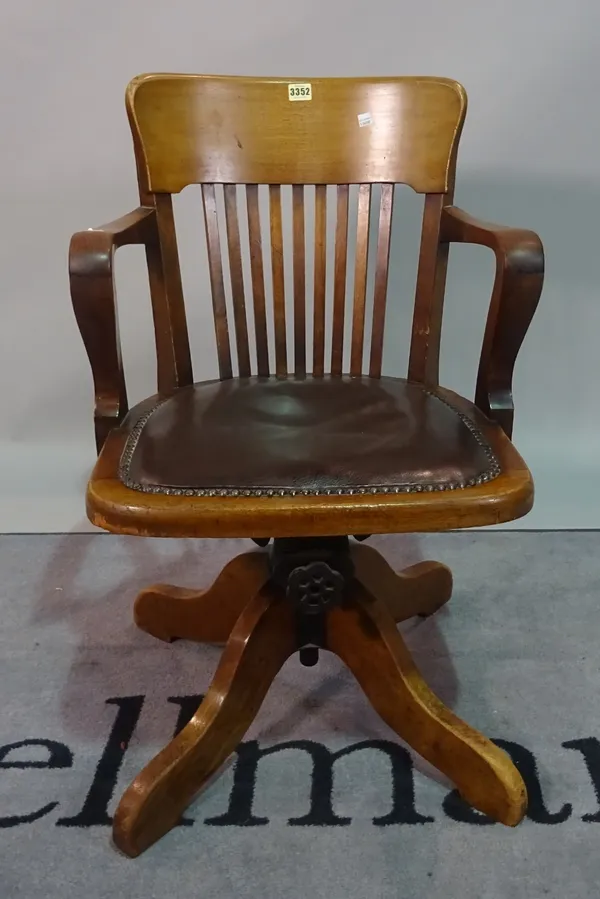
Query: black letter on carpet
{"points": [[590, 749], [60, 756], [321, 812], [524, 760], [95, 807]]}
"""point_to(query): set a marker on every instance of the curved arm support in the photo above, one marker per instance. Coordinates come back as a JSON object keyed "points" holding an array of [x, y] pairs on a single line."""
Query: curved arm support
{"points": [[515, 295], [93, 296]]}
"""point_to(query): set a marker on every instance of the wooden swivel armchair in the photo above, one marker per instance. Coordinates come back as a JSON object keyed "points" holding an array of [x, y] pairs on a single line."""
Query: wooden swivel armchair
{"points": [[307, 450]]}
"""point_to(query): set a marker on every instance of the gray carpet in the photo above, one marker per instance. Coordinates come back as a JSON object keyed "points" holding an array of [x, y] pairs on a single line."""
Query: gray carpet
{"points": [[87, 700]]}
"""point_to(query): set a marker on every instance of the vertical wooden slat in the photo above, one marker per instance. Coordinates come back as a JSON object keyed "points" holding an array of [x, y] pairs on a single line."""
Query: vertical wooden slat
{"points": [[381, 278], [360, 278], [174, 364], [424, 360], [320, 265], [215, 266], [237, 280], [258, 280], [339, 280], [299, 279], [278, 279]]}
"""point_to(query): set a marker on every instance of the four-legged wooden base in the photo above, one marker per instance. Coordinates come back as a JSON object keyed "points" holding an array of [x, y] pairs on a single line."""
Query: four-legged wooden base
{"points": [[249, 612]]}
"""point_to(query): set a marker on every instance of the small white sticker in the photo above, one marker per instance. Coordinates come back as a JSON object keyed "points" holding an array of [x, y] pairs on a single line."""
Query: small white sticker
{"points": [[300, 91], [364, 118]]}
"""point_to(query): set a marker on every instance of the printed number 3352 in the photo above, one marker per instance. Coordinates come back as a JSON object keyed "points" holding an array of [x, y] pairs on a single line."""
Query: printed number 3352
{"points": [[299, 92]]}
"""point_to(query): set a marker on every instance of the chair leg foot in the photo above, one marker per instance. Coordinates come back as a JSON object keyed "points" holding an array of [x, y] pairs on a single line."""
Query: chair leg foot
{"points": [[421, 589], [260, 642], [363, 634], [205, 616]]}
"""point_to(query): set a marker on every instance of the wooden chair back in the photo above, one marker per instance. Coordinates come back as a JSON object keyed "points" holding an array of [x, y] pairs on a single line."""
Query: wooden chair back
{"points": [[234, 135]]}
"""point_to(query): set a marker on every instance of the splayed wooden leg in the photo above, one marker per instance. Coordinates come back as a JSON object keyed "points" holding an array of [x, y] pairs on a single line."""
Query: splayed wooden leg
{"points": [[363, 634], [206, 616], [261, 641], [421, 589]]}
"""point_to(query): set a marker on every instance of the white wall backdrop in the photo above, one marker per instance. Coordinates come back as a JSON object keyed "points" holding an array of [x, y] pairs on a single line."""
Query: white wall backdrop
{"points": [[530, 156]]}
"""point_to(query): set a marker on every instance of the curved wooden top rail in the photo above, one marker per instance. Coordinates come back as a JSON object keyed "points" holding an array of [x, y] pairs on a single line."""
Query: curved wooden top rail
{"points": [[194, 129]]}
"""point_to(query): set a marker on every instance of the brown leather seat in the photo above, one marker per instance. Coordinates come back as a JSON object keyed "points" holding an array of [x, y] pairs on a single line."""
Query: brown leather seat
{"points": [[342, 435]]}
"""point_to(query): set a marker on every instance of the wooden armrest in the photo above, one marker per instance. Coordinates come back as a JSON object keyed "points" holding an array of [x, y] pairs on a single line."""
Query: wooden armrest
{"points": [[94, 302], [515, 295]]}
